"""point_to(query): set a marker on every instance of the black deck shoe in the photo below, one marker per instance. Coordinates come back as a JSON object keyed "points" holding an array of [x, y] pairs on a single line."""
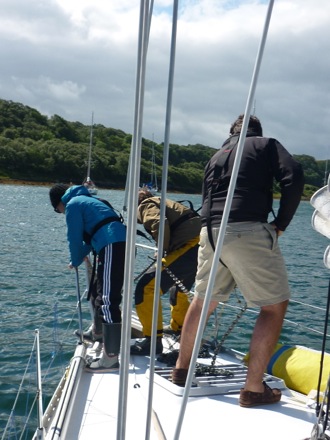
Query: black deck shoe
{"points": [[143, 348]]}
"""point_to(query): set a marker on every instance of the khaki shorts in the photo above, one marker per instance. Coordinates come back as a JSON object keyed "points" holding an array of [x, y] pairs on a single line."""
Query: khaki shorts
{"points": [[252, 261]]}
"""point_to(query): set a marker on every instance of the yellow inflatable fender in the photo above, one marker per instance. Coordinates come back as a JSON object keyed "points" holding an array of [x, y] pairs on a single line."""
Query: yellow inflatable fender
{"points": [[299, 367]]}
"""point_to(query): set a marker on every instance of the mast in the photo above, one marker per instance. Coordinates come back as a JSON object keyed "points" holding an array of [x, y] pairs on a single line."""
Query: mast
{"points": [[153, 166], [90, 150], [326, 173]]}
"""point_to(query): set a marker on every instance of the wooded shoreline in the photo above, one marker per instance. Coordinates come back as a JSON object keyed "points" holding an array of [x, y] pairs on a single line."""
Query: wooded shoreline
{"points": [[24, 182], [49, 184]]}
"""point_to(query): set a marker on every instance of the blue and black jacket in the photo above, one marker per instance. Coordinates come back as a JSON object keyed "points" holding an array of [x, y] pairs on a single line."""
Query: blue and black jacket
{"points": [[83, 213]]}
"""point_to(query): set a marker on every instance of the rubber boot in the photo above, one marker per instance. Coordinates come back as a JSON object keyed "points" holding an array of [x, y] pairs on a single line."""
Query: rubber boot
{"points": [[111, 347], [95, 332], [143, 348]]}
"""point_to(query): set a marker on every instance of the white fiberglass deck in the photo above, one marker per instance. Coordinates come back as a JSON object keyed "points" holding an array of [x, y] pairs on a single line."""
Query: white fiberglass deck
{"points": [[94, 411]]}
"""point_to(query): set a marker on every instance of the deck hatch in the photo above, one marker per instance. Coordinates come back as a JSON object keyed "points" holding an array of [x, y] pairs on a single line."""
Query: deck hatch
{"points": [[210, 385]]}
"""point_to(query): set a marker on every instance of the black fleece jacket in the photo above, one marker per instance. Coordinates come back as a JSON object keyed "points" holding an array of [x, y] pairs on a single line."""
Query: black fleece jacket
{"points": [[263, 161]]}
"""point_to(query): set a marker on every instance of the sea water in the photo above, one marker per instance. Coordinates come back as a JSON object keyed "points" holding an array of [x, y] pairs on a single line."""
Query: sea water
{"points": [[39, 291]]}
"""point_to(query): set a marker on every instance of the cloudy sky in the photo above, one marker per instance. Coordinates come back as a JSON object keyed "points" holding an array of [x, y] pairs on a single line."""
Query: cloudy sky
{"points": [[75, 57]]}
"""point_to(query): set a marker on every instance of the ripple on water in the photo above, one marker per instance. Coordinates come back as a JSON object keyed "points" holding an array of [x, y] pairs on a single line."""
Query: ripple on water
{"points": [[36, 286]]}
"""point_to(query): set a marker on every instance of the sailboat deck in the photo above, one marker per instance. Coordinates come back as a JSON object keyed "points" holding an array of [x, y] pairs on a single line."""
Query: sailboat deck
{"points": [[213, 408]]}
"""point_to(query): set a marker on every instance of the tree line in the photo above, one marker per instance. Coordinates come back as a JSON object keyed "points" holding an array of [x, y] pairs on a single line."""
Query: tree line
{"points": [[37, 148]]}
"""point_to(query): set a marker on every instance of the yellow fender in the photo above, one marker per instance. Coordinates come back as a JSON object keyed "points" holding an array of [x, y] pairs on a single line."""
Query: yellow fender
{"points": [[299, 367]]}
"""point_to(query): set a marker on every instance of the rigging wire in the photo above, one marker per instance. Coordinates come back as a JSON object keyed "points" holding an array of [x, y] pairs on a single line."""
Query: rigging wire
{"points": [[133, 176], [223, 226], [55, 355], [326, 322], [145, 27], [161, 232], [12, 412]]}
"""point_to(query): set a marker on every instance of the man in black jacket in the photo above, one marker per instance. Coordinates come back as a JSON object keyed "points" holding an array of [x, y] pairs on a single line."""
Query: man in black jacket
{"points": [[251, 258]]}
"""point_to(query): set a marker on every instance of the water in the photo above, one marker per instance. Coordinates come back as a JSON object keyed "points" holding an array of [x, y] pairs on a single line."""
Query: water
{"points": [[39, 291]]}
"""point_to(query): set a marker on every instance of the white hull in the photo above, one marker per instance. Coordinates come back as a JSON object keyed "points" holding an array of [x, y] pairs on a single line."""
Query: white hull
{"points": [[154, 191], [89, 184], [92, 191], [86, 406]]}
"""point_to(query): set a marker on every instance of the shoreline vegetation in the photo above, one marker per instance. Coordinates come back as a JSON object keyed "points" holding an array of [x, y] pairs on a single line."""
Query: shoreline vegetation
{"points": [[39, 150], [4, 181], [24, 182], [8, 181]]}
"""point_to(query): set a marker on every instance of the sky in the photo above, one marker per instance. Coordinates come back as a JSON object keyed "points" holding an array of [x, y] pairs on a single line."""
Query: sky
{"points": [[73, 58]]}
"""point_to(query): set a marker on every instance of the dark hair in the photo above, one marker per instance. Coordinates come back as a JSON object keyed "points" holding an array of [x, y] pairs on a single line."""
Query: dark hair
{"points": [[253, 127], [143, 195], [56, 193]]}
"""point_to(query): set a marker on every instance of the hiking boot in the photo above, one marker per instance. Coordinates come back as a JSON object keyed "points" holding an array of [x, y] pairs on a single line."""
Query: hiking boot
{"points": [[143, 348], [179, 376], [167, 329], [268, 396]]}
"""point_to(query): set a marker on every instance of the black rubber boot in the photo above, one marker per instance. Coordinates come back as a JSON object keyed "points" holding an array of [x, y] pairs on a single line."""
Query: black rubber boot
{"points": [[143, 348], [95, 332], [111, 347]]}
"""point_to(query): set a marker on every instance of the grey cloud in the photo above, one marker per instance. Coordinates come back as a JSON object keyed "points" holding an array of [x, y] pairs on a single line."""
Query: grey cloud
{"points": [[70, 64]]}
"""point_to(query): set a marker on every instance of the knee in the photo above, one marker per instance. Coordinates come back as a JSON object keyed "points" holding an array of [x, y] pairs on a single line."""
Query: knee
{"points": [[278, 309], [144, 285]]}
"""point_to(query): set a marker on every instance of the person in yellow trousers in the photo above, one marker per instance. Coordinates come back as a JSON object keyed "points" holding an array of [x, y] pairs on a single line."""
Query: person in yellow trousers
{"points": [[181, 238]]}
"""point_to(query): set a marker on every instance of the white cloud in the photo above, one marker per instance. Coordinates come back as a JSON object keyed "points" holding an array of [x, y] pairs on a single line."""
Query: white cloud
{"points": [[71, 57]]}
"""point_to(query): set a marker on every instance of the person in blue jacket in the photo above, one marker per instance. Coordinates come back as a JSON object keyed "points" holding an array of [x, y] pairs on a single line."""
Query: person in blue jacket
{"points": [[92, 225]]}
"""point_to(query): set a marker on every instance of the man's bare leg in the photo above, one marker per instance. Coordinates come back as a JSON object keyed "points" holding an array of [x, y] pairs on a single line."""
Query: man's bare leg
{"points": [[264, 338], [189, 331]]}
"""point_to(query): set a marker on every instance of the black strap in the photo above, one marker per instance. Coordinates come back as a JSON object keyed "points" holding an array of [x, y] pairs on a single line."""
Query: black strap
{"points": [[103, 222], [142, 234], [222, 162], [108, 220], [191, 206], [208, 219], [209, 228], [177, 222], [181, 220], [88, 237], [223, 159], [121, 218], [91, 282]]}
